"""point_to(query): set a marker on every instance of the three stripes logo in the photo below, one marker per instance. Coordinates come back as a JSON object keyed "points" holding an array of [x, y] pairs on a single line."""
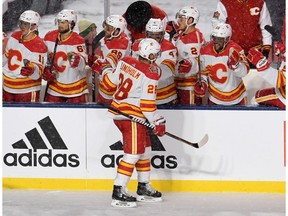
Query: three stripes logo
{"points": [[158, 161], [40, 154]]}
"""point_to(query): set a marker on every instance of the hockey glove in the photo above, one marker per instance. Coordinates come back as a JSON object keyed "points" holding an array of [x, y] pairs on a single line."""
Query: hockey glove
{"points": [[91, 59], [172, 28], [233, 59], [74, 59], [280, 51], [258, 59], [200, 88], [279, 48], [99, 65], [185, 66], [47, 75], [160, 128], [28, 69]]}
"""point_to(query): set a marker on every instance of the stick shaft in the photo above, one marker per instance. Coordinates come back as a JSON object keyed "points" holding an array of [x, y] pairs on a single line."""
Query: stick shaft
{"points": [[95, 44], [51, 64], [195, 145]]}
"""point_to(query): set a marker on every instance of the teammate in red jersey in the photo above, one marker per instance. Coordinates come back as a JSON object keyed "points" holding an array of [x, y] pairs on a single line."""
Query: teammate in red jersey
{"points": [[137, 16], [23, 61], [248, 19], [134, 82], [65, 74], [114, 46], [188, 46], [166, 89], [223, 64]]}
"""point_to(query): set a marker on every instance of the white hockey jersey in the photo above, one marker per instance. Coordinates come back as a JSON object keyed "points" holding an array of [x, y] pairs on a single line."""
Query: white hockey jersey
{"points": [[134, 84], [69, 82], [281, 83], [188, 47], [225, 86], [17, 50]]}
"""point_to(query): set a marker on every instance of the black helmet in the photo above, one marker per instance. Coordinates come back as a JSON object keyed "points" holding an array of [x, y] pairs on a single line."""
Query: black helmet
{"points": [[138, 14]]}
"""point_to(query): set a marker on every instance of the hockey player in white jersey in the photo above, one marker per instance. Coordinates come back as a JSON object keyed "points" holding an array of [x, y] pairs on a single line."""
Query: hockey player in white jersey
{"points": [[23, 61], [67, 56], [114, 46], [134, 82], [223, 65], [166, 89], [188, 44]]}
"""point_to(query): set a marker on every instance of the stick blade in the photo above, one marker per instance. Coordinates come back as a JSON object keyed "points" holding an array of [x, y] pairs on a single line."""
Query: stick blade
{"points": [[202, 142]]}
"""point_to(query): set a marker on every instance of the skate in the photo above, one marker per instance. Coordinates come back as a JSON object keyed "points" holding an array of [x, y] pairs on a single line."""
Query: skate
{"points": [[121, 198], [145, 193]]}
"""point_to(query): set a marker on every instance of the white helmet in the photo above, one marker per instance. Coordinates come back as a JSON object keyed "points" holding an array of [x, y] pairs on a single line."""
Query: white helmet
{"points": [[116, 21], [222, 30], [30, 16], [68, 15], [189, 11], [148, 47], [155, 25]]}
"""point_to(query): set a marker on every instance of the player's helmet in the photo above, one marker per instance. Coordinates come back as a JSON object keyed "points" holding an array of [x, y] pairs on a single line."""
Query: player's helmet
{"points": [[30, 16], [155, 25], [189, 11], [149, 49], [117, 21], [222, 30], [68, 15], [137, 15]]}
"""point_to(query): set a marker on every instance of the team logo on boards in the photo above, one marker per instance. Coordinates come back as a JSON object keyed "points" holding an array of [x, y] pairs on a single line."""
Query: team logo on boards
{"points": [[40, 154], [158, 161]]}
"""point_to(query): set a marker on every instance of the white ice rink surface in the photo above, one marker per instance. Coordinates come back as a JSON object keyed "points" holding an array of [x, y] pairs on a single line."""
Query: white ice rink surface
{"points": [[88, 203]]}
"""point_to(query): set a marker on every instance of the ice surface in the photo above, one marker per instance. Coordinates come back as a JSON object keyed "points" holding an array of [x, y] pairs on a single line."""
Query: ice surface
{"points": [[88, 203]]}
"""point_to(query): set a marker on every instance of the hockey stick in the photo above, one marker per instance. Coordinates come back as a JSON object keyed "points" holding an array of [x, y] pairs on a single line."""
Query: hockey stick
{"points": [[52, 64], [276, 35], [199, 77], [96, 40], [95, 45], [199, 144]]}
